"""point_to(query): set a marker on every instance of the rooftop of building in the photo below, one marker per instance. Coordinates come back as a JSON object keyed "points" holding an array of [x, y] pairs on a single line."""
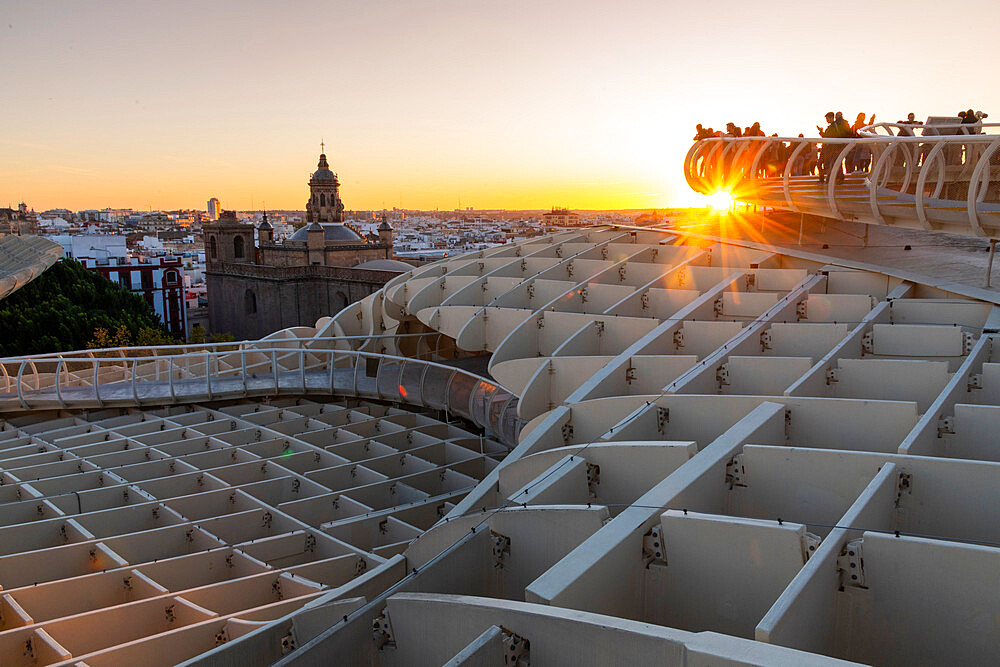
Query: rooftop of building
{"points": [[332, 231]]}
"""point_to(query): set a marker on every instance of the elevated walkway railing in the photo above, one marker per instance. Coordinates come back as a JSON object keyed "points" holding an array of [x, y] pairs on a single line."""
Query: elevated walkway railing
{"points": [[69, 381], [936, 181]]}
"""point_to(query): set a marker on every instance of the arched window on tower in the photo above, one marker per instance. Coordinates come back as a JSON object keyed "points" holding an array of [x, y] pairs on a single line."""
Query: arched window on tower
{"points": [[322, 199], [249, 302], [213, 247], [170, 277], [238, 247]]}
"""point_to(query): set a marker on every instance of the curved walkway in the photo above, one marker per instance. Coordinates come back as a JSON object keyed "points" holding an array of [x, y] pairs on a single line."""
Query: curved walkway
{"points": [[948, 183]]}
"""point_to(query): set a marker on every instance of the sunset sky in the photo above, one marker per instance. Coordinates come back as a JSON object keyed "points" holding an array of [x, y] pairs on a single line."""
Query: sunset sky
{"points": [[516, 104]]}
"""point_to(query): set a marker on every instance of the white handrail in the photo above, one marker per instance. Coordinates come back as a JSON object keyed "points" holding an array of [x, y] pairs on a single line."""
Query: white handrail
{"points": [[961, 165]]}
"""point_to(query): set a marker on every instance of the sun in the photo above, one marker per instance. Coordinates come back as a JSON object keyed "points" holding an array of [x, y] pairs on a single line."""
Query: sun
{"points": [[721, 202]]}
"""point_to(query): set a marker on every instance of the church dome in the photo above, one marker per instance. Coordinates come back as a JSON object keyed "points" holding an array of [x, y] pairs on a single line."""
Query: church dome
{"points": [[385, 265], [332, 231], [323, 172]]}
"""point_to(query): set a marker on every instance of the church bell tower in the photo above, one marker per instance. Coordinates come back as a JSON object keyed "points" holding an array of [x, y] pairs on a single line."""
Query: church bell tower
{"points": [[324, 203]]}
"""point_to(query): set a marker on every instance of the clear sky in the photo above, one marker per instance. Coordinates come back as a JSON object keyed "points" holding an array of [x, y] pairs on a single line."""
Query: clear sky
{"points": [[514, 104]]}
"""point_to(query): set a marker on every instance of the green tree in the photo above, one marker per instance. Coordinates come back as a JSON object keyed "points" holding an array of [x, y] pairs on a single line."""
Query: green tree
{"points": [[63, 309], [199, 334]]}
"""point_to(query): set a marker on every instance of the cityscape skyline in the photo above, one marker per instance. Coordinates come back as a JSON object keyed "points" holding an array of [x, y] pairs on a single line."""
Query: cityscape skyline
{"points": [[523, 106]]}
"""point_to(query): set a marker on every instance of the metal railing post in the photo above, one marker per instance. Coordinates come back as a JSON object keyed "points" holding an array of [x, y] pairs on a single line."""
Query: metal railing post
{"points": [[20, 391], [59, 368], [399, 380], [989, 263], [423, 376], [972, 197], [274, 368], [135, 394], [97, 385], [357, 365], [447, 395], [302, 367], [170, 378], [333, 365], [208, 374]]}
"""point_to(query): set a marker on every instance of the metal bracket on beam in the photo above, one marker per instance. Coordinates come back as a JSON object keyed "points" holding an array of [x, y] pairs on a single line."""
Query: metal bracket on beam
{"points": [[765, 340], [903, 486], [662, 419], [968, 341], [851, 565], [736, 474], [652, 548], [593, 478], [382, 631], [516, 649], [810, 542], [722, 375], [501, 549]]}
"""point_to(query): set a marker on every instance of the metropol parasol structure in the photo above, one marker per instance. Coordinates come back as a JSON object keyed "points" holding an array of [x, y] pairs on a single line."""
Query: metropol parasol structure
{"points": [[606, 445]]}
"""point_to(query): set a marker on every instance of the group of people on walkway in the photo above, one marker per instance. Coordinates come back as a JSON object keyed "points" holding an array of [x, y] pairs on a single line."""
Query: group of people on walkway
{"points": [[822, 160], [732, 130], [858, 159]]}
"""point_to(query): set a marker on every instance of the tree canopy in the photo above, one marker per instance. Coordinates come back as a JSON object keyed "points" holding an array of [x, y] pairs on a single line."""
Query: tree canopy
{"points": [[64, 307]]}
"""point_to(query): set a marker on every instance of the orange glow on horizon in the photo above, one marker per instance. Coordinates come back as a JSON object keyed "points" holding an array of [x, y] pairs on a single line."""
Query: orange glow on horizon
{"points": [[423, 105], [721, 202]]}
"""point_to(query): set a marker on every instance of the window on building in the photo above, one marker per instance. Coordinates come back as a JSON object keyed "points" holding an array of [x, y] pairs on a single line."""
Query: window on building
{"points": [[170, 277], [322, 199], [250, 302], [147, 279], [339, 302], [124, 279], [213, 250], [238, 247]]}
